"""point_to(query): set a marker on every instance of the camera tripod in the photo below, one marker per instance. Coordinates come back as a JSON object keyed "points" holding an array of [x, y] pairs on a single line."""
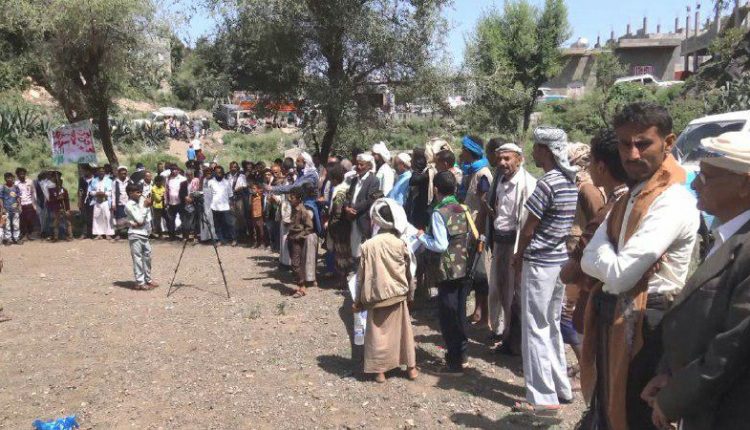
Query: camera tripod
{"points": [[204, 221]]}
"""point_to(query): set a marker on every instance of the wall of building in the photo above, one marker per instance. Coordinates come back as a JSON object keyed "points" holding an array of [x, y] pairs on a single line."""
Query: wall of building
{"points": [[577, 68], [658, 61]]}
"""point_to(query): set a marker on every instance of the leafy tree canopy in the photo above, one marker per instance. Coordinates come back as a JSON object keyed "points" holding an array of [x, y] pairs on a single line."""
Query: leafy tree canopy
{"points": [[513, 53], [331, 53]]}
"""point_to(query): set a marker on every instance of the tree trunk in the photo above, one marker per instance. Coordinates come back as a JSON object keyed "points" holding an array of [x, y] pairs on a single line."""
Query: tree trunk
{"points": [[332, 126], [102, 121], [527, 111]]}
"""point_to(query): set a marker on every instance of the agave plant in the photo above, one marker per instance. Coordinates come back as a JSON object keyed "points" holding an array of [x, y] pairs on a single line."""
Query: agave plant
{"points": [[26, 121], [153, 137], [120, 129], [17, 123]]}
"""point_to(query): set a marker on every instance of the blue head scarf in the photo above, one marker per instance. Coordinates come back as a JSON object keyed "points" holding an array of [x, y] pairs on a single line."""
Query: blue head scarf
{"points": [[473, 167], [476, 149]]}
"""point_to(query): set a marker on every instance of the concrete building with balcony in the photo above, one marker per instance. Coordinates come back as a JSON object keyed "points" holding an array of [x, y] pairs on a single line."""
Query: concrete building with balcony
{"points": [[669, 55], [642, 52]]}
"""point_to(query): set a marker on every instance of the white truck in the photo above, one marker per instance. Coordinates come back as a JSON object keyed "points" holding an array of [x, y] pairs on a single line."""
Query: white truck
{"points": [[646, 80]]}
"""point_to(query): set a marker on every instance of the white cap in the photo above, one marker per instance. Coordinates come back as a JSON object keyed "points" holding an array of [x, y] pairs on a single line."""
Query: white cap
{"points": [[730, 151], [510, 147]]}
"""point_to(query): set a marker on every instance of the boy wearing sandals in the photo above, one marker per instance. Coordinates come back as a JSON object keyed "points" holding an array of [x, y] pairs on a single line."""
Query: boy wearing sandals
{"points": [[302, 225], [138, 213]]}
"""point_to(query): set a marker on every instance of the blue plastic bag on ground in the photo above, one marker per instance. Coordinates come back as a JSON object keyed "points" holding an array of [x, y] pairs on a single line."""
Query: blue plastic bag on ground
{"points": [[67, 423]]}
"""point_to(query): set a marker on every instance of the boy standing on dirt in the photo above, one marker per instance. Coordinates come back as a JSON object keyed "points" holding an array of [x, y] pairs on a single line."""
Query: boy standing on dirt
{"points": [[302, 225], [450, 240], [138, 212], [256, 215], [157, 200], [58, 206], [10, 203]]}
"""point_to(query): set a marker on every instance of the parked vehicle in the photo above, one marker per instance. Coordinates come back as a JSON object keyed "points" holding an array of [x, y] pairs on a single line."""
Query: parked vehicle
{"points": [[544, 94], [160, 116], [230, 116], [688, 150], [646, 80]]}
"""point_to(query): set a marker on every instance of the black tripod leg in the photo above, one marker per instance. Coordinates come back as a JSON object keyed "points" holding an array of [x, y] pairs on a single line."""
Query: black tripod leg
{"points": [[216, 250], [221, 267], [174, 276]]}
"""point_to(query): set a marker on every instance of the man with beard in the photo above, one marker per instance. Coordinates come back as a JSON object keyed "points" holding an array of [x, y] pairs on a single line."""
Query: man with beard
{"points": [[540, 256], [641, 255], [360, 198], [507, 214], [221, 191]]}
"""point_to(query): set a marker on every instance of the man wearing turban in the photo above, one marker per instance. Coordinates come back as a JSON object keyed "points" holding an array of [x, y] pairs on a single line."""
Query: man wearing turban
{"points": [[475, 184], [384, 174], [363, 191], [540, 256], [401, 187]]}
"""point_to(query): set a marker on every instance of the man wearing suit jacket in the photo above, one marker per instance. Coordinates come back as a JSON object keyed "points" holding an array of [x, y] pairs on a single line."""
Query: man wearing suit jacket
{"points": [[361, 196], [507, 212], [704, 375]]}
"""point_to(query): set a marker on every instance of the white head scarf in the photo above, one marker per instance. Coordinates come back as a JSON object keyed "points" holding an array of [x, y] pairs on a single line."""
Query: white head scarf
{"points": [[399, 223], [380, 149], [405, 158], [406, 232], [366, 157], [434, 146], [309, 164], [557, 141]]}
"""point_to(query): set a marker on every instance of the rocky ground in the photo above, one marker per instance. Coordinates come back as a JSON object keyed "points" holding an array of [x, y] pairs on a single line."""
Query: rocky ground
{"points": [[83, 342]]}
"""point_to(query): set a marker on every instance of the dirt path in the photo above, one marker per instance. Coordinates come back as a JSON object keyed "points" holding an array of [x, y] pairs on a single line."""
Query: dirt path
{"points": [[81, 342], [213, 143]]}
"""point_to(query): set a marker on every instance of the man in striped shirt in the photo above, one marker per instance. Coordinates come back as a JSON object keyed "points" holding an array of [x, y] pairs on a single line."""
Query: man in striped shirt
{"points": [[541, 254]]}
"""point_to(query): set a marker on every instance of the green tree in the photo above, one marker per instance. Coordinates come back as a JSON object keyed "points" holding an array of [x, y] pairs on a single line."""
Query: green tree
{"points": [[608, 69], [86, 52], [198, 79], [723, 46], [331, 52], [518, 50]]}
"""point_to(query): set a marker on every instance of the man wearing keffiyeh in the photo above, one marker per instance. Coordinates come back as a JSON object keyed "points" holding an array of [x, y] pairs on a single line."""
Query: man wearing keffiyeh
{"points": [[540, 256]]}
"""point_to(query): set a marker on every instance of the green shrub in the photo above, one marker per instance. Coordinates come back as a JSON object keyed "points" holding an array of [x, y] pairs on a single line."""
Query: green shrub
{"points": [[150, 159], [265, 146]]}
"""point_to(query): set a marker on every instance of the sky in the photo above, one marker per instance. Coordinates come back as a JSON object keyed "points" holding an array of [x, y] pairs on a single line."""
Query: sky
{"points": [[587, 18]]}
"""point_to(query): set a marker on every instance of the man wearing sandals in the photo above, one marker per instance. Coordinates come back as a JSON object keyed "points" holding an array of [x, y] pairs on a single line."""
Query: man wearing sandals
{"points": [[540, 256]]}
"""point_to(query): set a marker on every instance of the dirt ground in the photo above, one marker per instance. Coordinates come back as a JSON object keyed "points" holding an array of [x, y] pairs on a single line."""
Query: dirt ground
{"points": [[83, 342]]}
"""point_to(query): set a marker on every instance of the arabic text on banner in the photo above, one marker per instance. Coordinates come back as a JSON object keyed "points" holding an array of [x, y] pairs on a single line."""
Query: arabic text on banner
{"points": [[72, 143]]}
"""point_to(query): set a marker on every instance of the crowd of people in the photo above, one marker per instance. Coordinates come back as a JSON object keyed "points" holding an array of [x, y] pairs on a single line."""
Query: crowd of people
{"points": [[595, 253]]}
